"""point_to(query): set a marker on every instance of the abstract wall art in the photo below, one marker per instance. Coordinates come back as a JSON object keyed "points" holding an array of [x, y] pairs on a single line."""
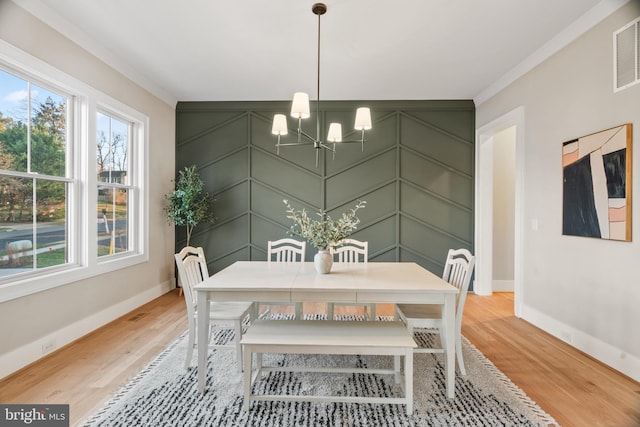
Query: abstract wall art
{"points": [[597, 185]]}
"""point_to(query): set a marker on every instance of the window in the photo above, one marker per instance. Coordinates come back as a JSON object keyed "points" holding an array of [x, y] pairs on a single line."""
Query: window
{"points": [[112, 153], [72, 179], [34, 179]]}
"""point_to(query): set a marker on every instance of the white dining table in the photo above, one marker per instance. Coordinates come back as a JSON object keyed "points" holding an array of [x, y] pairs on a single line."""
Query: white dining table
{"points": [[373, 282]]}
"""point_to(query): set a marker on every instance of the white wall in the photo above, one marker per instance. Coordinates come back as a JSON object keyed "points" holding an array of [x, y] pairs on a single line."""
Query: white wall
{"points": [[585, 291], [504, 162], [67, 312]]}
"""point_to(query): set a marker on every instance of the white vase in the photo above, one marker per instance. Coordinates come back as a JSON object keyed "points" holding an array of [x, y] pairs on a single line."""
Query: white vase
{"points": [[323, 261]]}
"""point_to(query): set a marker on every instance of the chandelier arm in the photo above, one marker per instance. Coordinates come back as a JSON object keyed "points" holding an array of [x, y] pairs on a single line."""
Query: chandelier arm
{"points": [[325, 146], [306, 135], [299, 129], [351, 141], [290, 144]]}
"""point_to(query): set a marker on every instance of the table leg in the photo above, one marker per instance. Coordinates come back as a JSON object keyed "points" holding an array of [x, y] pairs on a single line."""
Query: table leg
{"points": [[203, 338], [449, 322]]}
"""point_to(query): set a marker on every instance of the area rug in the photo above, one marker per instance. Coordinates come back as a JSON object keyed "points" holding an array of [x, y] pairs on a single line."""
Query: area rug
{"points": [[166, 394]]}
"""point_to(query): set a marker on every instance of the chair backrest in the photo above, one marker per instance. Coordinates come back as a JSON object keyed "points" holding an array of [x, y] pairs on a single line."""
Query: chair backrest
{"points": [[286, 250], [192, 269], [458, 270], [351, 251]]}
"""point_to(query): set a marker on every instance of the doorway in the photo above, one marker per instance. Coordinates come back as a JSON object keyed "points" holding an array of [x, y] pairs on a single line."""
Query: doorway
{"points": [[495, 240]]}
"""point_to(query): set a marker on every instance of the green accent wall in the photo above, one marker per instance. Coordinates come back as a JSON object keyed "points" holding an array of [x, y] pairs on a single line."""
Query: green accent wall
{"points": [[416, 174]]}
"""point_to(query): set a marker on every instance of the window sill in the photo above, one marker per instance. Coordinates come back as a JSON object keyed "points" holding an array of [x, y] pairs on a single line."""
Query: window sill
{"points": [[22, 287]]}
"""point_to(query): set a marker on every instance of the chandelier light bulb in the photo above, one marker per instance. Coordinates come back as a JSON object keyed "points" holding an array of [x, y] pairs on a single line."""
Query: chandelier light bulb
{"points": [[335, 133], [279, 125], [300, 106], [363, 118]]}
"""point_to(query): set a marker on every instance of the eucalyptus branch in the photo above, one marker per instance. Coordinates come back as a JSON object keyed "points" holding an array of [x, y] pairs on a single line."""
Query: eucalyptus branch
{"points": [[325, 232]]}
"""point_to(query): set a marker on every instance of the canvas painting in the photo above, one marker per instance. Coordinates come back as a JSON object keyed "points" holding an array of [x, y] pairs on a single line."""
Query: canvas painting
{"points": [[597, 185]]}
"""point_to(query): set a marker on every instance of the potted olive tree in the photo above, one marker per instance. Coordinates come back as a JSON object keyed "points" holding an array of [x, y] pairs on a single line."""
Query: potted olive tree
{"points": [[189, 204]]}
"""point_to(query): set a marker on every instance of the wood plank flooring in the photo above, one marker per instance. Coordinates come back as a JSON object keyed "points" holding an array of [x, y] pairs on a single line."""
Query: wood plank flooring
{"points": [[575, 389], [571, 386]]}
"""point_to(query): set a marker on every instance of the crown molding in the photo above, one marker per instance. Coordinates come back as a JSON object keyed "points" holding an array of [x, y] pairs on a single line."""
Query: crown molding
{"points": [[41, 11], [571, 33]]}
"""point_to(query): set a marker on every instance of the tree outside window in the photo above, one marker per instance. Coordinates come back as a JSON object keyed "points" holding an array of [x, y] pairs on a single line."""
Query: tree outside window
{"points": [[33, 181], [112, 165]]}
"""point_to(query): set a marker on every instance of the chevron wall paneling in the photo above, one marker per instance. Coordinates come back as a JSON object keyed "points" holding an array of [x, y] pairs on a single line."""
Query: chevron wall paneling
{"points": [[416, 174]]}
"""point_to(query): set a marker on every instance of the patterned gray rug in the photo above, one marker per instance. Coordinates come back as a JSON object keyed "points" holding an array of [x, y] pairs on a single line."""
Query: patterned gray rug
{"points": [[165, 394]]}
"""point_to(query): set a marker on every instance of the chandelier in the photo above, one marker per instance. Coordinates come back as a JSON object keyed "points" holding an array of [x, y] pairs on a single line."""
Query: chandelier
{"points": [[300, 110]]}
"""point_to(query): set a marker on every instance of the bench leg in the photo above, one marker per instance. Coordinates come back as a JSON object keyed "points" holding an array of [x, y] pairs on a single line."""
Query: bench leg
{"points": [[396, 368], [408, 380], [247, 356], [372, 312], [299, 311], [259, 364], [237, 337]]}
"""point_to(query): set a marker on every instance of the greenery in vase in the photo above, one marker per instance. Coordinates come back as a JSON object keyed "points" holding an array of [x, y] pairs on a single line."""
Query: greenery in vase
{"points": [[189, 204], [324, 232]]}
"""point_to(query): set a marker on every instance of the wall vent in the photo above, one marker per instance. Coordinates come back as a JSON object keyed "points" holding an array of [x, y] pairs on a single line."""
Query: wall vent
{"points": [[626, 56]]}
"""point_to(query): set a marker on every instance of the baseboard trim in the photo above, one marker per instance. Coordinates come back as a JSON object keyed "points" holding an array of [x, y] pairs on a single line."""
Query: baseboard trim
{"points": [[19, 358], [502, 285], [611, 356]]}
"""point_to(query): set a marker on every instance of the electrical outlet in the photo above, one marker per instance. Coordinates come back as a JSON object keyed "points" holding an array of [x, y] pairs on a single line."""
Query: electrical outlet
{"points": [[48, 346]]}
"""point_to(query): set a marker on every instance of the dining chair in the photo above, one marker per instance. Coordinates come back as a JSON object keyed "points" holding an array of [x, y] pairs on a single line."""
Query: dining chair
{"points": [[192, 269], [351, 251], [286, 250], [428, 317]]}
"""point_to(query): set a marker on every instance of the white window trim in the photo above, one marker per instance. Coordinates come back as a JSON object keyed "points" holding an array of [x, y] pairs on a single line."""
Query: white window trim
{"points": [[138, 183], [83, 240]]}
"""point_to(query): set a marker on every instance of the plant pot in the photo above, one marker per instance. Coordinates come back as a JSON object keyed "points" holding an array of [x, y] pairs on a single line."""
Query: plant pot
{"points": [[323, 261]]}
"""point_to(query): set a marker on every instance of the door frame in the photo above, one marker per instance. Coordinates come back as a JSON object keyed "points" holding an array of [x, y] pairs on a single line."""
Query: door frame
{"points": [[483, 284]]}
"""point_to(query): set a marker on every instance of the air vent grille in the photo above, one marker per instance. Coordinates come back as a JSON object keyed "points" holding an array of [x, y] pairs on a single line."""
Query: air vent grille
{"points": [[626, 51]]}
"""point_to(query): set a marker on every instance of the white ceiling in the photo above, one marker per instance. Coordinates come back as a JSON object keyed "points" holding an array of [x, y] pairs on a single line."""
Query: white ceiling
{"points": [[210, 50]]}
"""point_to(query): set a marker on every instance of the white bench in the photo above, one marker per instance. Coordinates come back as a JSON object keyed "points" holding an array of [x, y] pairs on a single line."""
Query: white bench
{"points": [[328, 337]]}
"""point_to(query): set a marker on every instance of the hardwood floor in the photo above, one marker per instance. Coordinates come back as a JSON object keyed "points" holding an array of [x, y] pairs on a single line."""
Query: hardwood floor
{"points": [[571, 386], [88, 371], [575, 389]]}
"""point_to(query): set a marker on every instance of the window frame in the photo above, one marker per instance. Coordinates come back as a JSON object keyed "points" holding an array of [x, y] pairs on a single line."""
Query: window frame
{"points": [[83, 261]]}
